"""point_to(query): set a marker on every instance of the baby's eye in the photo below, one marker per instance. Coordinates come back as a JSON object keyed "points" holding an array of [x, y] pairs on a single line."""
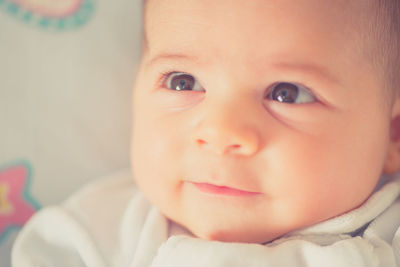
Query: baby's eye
{"points": [[290, 93], [181, 81]]}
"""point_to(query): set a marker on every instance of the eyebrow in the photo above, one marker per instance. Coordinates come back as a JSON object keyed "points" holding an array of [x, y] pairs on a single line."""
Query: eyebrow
{"points": [[170, 56], [309, 68]]}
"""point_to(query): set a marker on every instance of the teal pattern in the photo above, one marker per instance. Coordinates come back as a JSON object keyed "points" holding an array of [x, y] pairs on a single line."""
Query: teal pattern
{"points": [[70, 22]]}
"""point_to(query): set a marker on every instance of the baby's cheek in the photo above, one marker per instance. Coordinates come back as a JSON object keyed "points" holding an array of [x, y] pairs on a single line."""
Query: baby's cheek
{"points": [[155, 155]]}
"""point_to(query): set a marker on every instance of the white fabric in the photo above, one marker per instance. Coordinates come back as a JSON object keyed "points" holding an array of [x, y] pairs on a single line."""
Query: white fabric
{"points": [[110, 223]]}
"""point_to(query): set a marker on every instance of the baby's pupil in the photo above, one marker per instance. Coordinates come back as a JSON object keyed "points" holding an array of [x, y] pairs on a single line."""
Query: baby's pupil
{"points": [[285, 92], [182, 82]]}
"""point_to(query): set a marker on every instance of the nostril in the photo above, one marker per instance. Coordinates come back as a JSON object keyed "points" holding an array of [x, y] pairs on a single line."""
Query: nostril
{"points": [[234, 148], [219, 148], [201, 142]]}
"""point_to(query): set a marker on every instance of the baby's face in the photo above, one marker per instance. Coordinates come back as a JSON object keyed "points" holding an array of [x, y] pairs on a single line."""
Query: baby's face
{"points": [[256, 118]]}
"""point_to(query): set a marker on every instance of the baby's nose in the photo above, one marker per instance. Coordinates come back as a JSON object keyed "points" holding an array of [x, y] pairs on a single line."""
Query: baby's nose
{"points": [[245, 147], [227, 134]]}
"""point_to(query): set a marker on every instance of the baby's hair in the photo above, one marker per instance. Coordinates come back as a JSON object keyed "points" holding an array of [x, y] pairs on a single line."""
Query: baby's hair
{"points": [[385, 28]]}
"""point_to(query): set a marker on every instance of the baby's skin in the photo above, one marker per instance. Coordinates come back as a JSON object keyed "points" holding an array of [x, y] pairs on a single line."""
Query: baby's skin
{"points": [[256, 118]]}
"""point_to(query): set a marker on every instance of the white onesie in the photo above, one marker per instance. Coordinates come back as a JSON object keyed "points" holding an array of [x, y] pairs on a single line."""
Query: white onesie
{"points": [[110, 223]]}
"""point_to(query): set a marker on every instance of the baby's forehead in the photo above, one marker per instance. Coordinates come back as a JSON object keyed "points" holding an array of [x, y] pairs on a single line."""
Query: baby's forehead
{"points": [[258, 24], [246, 15]]}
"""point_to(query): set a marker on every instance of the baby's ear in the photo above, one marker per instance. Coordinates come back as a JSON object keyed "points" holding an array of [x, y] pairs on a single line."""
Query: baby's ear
{"points": [[392, 163]]}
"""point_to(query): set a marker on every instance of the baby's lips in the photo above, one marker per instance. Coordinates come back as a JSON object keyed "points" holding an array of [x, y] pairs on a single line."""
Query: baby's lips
{"points": [[51, 8], [224, 190], [395, 133], [235, 178]]}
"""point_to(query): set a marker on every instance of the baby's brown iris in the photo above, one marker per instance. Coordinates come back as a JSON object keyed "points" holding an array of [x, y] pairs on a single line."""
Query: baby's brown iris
{"points": [[285, 92], [182, 82]]}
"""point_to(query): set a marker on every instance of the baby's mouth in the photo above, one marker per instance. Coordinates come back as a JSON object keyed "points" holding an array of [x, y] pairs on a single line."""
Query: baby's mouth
{"points": [[223, 190]]}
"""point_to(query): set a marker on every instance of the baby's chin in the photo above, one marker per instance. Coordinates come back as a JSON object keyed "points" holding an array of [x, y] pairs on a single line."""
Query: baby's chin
{"points": [[236, 237], [232, 234]]}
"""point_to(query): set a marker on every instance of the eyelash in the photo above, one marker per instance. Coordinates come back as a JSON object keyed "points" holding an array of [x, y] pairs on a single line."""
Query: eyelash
{"points": [[163, 77]]}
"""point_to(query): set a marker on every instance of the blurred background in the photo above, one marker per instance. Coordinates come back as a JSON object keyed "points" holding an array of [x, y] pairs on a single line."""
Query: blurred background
{"points": [[66, 72]]}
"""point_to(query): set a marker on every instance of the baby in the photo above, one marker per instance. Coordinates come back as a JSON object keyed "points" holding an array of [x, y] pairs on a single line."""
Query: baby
{"points": [[260, 132]]}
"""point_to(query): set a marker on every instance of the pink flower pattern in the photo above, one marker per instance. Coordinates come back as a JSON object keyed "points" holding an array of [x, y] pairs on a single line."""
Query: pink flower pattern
{"points": [[16, 205]]}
